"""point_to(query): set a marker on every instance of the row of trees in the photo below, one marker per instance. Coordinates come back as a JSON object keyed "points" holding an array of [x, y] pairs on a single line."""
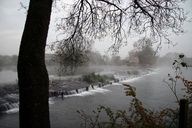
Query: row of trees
{"points": [[143, 53], [8, 60], [70, 57], [138, 56]]}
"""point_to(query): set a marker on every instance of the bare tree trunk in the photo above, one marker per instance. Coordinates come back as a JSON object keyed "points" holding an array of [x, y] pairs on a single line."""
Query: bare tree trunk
{"points": [[32, 73]]}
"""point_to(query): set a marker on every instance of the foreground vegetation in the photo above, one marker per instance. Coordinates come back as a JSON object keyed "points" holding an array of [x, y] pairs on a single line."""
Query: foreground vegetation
{"points": [[137, 115]]}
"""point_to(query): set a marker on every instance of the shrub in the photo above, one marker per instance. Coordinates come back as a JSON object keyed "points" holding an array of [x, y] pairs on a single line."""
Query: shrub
{"points": [[137, 116], [95, 78]]}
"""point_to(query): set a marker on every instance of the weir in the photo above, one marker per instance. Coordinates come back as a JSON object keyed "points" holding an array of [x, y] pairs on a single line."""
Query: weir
{"points": [[7, 106], [61, 89], [62, 93]]}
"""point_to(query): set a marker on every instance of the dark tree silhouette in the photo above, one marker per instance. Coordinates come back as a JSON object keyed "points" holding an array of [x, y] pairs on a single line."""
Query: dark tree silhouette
{"points": [[147, 56], [87, 18], [144, 51], [32, 73], [72, 54]]}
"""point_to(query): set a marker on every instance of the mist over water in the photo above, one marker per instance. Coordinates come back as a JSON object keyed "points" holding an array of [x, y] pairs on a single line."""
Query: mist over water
{"points": [[149, 87]]}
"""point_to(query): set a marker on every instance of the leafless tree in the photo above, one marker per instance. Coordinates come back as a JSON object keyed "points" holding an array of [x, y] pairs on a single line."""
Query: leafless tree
{"points": [[142, 43], [86, 19], [71, 54], [120, 18]]}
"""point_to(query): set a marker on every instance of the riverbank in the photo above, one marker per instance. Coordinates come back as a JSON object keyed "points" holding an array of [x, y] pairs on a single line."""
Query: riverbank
{"points": [[69, 85], [9, 93], [149, 88]]}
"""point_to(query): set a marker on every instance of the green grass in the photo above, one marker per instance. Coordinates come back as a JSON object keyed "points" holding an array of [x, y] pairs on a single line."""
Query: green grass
{"points": [[95, 78]]}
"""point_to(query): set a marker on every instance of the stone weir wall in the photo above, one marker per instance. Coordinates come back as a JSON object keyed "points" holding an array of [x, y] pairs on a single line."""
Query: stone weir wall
{"points": [[58, 88], [69, 87]]}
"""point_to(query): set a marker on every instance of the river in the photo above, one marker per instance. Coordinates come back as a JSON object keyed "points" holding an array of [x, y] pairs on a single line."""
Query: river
{"points": [[150, 89], [7, 76]]}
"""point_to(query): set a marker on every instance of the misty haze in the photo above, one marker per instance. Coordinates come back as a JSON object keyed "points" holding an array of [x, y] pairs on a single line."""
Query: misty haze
{"points": [[95, 64]]}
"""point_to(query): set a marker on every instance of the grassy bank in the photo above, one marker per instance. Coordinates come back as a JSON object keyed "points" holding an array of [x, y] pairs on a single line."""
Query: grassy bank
{"points": [[93, 78]]}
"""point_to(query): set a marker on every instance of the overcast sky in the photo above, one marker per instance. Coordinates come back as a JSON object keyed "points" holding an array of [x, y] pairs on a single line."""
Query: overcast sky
{"points": [[12, 21]]}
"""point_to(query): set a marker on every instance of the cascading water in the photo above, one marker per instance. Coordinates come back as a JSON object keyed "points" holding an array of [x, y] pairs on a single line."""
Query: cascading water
{"points": [[9, 103], [8, 107]]}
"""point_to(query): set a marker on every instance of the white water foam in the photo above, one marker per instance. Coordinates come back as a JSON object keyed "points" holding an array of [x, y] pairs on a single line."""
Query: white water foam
{"points": [[51, 101], [13, 110], [113, 84], [138, 77], [90, 92], [15, 107], [131, 79]]}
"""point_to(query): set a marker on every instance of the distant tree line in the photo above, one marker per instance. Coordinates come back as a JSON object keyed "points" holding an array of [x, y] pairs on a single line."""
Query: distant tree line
{"points": [[143, 53], [11, 60], [96, 58], [71, 56], [6, 60]]}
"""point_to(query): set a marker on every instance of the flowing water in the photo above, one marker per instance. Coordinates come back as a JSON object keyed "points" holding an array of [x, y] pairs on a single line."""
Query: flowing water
{"points": [[7, 76], [150, 88]]}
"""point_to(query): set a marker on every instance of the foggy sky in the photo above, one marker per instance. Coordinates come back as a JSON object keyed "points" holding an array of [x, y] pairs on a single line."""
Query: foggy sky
{"points": [[12, 20]]}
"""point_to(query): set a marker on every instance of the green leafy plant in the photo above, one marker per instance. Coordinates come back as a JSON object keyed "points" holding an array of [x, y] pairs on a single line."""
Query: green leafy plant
{"points": [[95, 78]]}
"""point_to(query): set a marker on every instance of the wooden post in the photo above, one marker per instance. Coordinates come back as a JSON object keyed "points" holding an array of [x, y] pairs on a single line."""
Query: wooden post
{"points": [[99, 84], [62, 95], [183, 113], [87, 88]]}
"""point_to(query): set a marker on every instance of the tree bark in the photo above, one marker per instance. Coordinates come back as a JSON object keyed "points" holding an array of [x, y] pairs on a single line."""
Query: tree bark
{"points": [[32, 74]]}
